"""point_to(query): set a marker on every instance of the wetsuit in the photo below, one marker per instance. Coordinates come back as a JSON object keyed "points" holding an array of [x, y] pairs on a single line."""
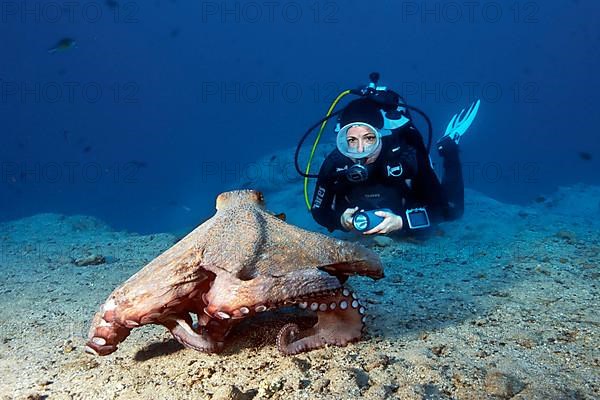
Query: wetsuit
{"points": [[400, 178]]}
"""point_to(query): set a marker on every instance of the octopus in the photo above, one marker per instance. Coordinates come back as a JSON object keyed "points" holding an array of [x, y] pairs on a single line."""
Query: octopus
{"points": [[241, 262]]}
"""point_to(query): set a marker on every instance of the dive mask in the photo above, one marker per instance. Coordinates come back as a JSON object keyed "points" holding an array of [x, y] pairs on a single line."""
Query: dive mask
{"points": [[357, 172]]}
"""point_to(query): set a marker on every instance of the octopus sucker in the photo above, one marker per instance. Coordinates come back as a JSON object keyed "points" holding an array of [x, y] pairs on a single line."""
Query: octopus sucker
{"points": [[272, 265], [244, 310], [222, 315], [99, 341]]}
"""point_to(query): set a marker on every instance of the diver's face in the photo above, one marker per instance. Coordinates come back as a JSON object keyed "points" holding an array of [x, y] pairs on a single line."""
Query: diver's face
{"points": [[359, 138]]}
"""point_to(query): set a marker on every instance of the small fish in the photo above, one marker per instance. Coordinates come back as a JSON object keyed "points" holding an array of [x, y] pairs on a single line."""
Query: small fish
{"points": [[584, 155], [540, 199], [62, 45]]}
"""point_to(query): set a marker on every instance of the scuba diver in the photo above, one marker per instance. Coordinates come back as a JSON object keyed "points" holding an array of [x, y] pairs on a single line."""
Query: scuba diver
{"points": [[380, 179]]}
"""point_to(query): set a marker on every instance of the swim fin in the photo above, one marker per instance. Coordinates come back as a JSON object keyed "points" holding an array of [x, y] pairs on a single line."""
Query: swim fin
{"points": [[459, 124]]}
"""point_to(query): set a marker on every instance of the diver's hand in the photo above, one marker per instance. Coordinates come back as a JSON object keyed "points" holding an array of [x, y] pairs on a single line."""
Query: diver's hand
{"points": [[346, 218], [447, 147], [391, 222]]}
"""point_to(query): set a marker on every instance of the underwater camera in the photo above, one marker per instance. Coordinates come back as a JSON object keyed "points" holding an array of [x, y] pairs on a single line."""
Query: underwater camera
{"points": [[363, 221]]}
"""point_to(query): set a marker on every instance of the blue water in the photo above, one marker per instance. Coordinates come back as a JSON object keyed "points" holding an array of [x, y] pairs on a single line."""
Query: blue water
{"points": [[161, 105]]}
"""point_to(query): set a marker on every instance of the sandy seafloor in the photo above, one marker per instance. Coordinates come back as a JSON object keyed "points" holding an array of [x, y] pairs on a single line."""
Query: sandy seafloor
{"points": [[502, 304]]}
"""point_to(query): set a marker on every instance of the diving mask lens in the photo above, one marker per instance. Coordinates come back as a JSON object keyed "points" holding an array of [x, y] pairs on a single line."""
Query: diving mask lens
{"points": [[358, 140]]}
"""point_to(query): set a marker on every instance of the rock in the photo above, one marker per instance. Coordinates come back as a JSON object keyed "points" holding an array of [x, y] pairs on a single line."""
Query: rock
{"points": [[568, 336], [229, 392], [378, 360], [525, 341], [378, 392], [269, 387], [383, 241], [36, 396], [320, 385], [566, 235], [302, 364], [502, 385], [482, 354], [440, 350], [543, 391], [68, 347], [431, 391], [93, 259]]}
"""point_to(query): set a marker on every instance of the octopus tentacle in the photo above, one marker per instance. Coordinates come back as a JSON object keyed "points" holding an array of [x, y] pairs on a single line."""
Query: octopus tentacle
{"points": [[288, 334], [181, 329], [229, 298], [104, 336], [340, 321]]}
